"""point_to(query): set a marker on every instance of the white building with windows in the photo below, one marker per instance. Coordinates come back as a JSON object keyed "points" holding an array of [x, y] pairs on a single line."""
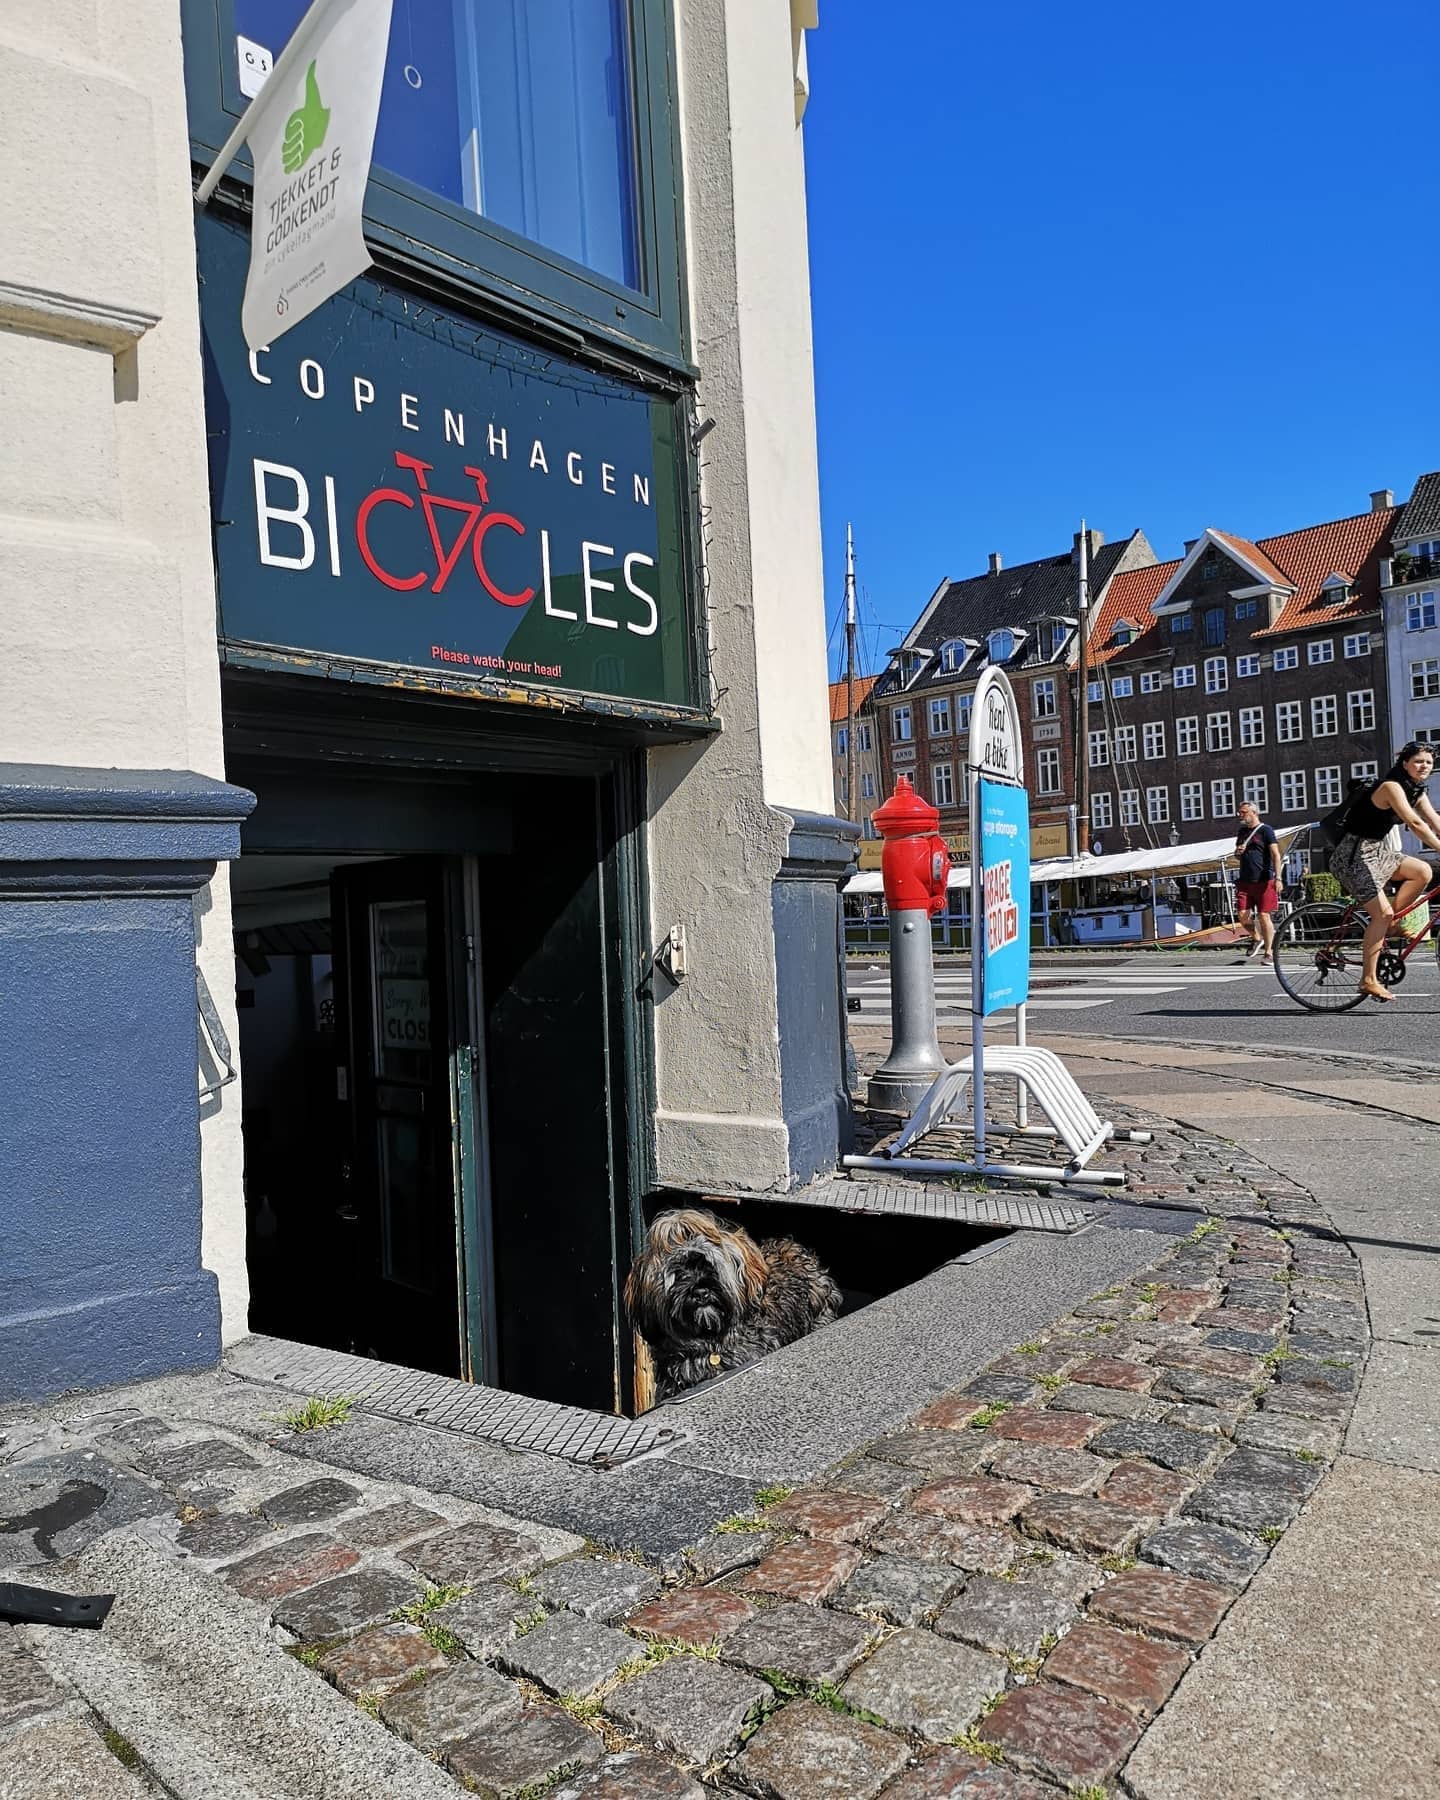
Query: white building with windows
{"points": [[1411, 595]]}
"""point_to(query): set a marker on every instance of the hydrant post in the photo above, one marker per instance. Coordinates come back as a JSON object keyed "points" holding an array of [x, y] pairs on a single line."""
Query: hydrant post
{"points": [[915, 865]]}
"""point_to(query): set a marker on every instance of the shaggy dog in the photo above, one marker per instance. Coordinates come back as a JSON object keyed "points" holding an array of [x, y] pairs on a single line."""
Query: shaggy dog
{"points": [[706, 1297]]}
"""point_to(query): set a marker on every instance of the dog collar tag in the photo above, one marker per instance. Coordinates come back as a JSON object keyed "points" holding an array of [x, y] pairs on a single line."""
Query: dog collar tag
{"points": [[714, 1359]]}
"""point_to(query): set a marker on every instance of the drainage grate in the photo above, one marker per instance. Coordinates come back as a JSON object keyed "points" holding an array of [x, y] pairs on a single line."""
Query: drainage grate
{"points": [[925, 1200], [514, 1420]]}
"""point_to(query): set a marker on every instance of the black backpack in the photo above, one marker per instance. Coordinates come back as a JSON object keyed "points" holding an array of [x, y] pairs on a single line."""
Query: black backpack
{"points": [[1334, 825]]}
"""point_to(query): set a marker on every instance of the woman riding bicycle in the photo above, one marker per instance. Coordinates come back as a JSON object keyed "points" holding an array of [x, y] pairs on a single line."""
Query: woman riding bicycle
{"points": [[1369, 854]]}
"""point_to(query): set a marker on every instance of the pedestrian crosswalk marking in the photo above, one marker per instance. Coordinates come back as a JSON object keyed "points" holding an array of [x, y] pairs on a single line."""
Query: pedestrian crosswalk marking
{"points": [[1053, 990]]}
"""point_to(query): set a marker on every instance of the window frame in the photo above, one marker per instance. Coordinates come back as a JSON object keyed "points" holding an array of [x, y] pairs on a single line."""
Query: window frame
{"points": [[1293, 783], [1125, 749], [1044, 689], [1184, 676], [897, 713], [416, 233], [1187, 735], [1130, 806], [1319, 650], [1222, 785], [1252, 727], [947, 770], [1247, 666], [1421, 675], [1286, 657], [1357, 643], [1157, 805], [1217, 675], [1255, 791], [1326, 707], [1361, 701], [1151, 681], [1329, 775], [1218, 733], [1100, 803], [1122, 687], [1192, 801], [1045, 756], [1152, 733], [1420, 604], [1098, 741], [1292, 710], [939, 704]]}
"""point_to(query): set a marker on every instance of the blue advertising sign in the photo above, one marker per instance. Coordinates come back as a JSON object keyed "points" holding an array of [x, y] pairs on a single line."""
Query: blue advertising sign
{"points": [[399, 488], [1005, 899]]}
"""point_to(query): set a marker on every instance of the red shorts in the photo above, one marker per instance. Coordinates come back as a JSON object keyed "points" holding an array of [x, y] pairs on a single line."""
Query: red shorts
{"points": [[1257, 896]]}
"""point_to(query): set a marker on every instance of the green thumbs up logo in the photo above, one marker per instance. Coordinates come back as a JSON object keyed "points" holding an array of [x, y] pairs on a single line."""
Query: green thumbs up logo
{"points": [[305, 130]]}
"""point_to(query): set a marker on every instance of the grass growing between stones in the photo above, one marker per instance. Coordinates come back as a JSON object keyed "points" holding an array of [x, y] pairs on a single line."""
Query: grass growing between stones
{"points": [[1116, 1565], [1202, 1231], [767, 1497], [987, 1415], [318, 1413], [369, 1703], [121, 1748], [418, 1613], [1031, 1349], [1271, 1534], [973, 1744], [1281, 1353], [1050, 1382], [536, 1616]]}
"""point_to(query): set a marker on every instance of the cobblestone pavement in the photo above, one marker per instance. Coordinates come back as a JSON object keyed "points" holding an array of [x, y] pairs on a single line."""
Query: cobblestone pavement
{"points": [[996, 1599]]}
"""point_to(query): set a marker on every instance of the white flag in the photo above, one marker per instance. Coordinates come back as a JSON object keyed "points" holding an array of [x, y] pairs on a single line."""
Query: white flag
{"points": [[311, 131]]}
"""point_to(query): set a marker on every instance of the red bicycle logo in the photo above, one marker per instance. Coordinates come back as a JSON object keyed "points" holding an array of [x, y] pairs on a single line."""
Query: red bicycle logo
{"points": [[477, 526]]}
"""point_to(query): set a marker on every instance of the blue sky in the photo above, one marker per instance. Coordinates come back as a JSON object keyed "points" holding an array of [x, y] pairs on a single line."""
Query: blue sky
{"points": [[1166, 266]]}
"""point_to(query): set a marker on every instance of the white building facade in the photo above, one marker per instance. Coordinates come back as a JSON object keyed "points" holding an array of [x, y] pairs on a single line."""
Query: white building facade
{"points": [[502, 874]]}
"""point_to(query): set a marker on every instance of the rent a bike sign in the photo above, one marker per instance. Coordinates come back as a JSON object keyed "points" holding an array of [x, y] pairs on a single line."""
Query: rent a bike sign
{"points": [[398, 489], [1000, 847]]}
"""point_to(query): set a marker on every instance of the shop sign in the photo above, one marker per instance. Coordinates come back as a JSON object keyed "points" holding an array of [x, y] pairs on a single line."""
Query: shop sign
{"points": [[995, 729], [1004, 817], [402, 493]]}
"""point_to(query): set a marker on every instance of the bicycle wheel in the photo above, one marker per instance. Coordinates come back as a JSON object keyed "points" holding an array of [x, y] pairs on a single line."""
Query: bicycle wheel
{"points": [[1318, 957]]}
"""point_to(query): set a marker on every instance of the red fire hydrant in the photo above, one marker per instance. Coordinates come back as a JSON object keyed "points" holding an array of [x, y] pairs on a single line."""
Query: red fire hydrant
{"points": [[915, 863], [915, 866]]}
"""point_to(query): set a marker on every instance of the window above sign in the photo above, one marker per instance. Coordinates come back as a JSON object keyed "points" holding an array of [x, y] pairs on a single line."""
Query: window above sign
{"points": [[522, 140]]}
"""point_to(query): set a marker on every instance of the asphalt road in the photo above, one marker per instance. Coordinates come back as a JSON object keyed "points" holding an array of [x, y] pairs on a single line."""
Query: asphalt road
{"points": [[1193, 996]]}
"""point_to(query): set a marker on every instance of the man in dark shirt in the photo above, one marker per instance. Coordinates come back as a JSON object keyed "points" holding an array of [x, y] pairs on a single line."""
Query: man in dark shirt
{"points": [[1257, 886]]}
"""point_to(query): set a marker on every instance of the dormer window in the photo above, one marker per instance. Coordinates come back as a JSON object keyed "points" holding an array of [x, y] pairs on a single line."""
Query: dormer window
{"points": [[1124, 633], [952, 655], [1337, 588], [1000, 646]]}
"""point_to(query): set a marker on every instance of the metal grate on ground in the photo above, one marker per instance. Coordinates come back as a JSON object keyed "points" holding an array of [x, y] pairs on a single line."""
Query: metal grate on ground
{"points": [[926, 1200], [513, 1420]]}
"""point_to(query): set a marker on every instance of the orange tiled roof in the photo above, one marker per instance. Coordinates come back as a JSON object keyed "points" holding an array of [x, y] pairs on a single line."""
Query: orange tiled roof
{"points": [[839, 696], [1302, 560], [1131, 594]]}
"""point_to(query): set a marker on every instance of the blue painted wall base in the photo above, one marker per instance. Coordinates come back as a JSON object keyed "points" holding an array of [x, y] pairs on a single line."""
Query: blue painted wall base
{"points": [[810, 987], [100, 1274]]}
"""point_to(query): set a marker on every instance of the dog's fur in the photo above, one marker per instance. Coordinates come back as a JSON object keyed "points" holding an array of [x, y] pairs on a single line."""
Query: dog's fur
{"points": [[706, 1297]]}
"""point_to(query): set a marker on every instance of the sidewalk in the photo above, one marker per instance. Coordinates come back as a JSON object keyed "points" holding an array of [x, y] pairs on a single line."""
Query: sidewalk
{"points": [[1102, 1519]]}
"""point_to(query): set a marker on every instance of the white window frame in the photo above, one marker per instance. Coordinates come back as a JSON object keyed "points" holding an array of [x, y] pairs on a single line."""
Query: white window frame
{"points": [[963, 704], [1187, 735], [1425, 678], [1217, 675], [1360, 709], [1289, 713], [1246, 666], [1256, 790], [1099, 749], [1043, 702], [1094, 692], [1157, 805], [1327, 785], [1320, 650], [1185, 675], [1124, 751], [1100, 819], [1152, 740], [1364, 771], [867, 786], [1324, 715], [1047, 770], [902, 725], [942, 776], [939, 714], [1287, 658], [842, 738], [862, 737], [1192, 801], [1293, 787], [1356, 644], [1420, 611], [1129, 806], [1122, 687], [1217, 731], [1222, 797], [1252, 727], [1151, 681]]}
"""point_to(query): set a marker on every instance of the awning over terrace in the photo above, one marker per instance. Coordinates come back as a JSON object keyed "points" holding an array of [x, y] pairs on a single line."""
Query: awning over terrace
{"points": [[1166, 861]]}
